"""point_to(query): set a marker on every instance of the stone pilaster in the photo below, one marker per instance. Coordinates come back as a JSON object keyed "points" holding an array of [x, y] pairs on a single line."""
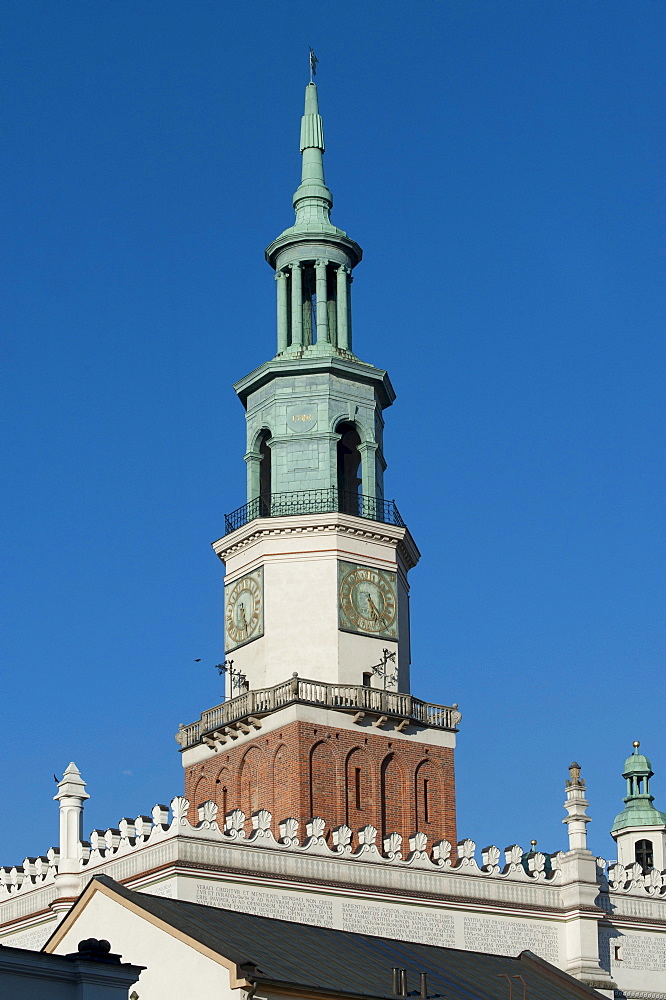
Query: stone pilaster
{"points": [[282, 314], [342, 307]]}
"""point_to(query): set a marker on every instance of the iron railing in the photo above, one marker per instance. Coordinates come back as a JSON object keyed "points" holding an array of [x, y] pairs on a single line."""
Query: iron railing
{"points": [[343, 697], [324, 501]]}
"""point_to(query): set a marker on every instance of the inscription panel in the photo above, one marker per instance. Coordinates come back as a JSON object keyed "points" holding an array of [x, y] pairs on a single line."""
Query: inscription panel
{"points": [[301, 417], [32, 939], [645, 952], [165, 890], [404, 923], [280, 905], [510, 937]]}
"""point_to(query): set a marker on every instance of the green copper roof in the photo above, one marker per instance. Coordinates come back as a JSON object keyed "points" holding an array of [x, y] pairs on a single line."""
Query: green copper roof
{"points": [[313, 200], [637, 763], [638, 810]]}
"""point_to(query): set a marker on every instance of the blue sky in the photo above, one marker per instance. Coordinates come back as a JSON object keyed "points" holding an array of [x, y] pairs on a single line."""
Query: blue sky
{"points": [[501, 164]]}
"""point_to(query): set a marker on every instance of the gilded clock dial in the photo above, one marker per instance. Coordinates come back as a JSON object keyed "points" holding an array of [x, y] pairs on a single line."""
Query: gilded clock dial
{"points": [[244, 610], [368, 600]]}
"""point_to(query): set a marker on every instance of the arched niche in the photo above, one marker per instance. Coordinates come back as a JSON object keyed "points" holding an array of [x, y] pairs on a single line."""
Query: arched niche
{"points": [[260, 472], [349, 468]]}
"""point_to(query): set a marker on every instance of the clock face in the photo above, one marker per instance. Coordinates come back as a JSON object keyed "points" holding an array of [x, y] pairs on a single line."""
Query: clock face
{"points": [[244, 610], [367, 601]]}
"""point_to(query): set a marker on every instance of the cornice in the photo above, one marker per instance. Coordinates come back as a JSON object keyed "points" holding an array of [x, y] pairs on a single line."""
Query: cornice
{"points": [[311, 524], [348, 368]]}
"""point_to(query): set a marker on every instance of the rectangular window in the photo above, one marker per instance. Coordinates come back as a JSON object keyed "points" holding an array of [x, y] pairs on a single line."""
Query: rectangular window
{"points": [[426, 811], [367, 680], [357, 786]]}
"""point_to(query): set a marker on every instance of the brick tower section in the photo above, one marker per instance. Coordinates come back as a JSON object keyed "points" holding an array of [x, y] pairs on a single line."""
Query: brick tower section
{"points": [[304, 770]]}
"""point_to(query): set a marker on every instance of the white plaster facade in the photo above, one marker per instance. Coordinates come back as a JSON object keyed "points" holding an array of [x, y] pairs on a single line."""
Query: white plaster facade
{"points": [[300, 559], [175, 969], [627, 839]]}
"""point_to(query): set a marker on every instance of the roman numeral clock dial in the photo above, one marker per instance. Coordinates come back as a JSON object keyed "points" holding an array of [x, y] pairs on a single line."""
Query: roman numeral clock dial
{"points": [[368, 601], [244, 610]]}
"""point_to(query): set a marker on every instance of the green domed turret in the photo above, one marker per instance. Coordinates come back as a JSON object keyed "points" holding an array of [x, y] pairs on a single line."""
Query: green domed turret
{"points": [[638, 810]]}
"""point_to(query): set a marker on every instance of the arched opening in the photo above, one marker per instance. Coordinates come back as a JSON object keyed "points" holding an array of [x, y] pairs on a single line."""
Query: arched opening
{"points": [[265, 475], [644, 855], [349, 468], [222, 792], [249, 781], [323, 784], [359, 790], [282, 808], [393, 797], [427, 795]]}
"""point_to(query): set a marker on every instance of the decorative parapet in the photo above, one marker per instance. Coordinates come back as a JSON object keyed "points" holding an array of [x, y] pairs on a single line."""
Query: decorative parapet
{"points": [[222, 724], [133, 835], [631, 878]]}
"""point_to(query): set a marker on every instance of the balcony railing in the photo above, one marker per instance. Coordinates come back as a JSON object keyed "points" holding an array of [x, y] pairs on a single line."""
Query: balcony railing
{"points": [[314, 502], [342, 697]]}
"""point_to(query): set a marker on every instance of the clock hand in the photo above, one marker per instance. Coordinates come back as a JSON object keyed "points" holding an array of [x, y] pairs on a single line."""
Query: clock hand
{"points": [[374, 611]]}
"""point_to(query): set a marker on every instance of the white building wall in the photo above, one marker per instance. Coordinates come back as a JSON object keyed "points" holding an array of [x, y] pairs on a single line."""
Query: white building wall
{"points": [[174, 970]]}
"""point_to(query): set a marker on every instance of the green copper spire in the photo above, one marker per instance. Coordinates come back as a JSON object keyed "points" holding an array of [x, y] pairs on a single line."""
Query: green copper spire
{"points": [[313, 200], [638, 810], [313, 259]]}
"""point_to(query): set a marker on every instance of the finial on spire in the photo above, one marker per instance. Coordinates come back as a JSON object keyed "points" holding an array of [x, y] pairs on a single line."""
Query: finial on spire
{"points": [[636, 745], [574, 775], [313, 63]]}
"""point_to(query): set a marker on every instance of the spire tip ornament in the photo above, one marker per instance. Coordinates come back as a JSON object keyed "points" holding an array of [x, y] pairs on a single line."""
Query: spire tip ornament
{"points": [[313, 63]]}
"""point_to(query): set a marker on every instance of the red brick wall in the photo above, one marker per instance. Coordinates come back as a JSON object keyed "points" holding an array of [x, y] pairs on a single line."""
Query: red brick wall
{"points": [[355, 778]]}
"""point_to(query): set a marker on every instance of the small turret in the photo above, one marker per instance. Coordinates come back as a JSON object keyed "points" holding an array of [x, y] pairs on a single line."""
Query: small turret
{"points": [[576, 805], [71, 796], [640, 829]]}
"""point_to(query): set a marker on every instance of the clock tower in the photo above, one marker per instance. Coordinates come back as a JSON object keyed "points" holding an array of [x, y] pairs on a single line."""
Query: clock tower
{"points": [[318, 718]]}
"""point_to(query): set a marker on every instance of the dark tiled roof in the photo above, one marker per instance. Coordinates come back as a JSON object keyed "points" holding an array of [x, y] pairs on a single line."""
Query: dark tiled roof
{"points": [[342, 962]]}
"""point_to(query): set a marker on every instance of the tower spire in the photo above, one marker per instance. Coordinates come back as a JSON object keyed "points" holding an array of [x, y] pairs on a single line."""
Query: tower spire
{"points": [[312, 200], [313, 259]]}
